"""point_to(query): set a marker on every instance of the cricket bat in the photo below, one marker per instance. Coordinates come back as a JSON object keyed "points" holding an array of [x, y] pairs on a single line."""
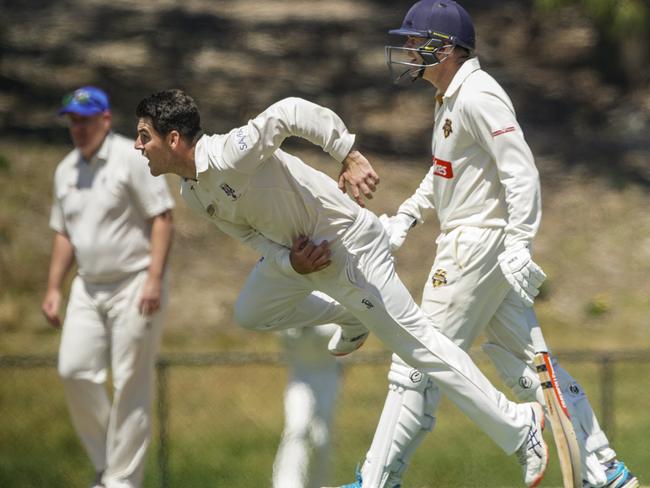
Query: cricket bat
{"points": [[564, 436]]}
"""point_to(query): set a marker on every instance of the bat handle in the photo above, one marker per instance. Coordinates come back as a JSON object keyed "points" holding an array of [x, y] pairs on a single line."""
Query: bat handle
{"points": [[537, 338]]}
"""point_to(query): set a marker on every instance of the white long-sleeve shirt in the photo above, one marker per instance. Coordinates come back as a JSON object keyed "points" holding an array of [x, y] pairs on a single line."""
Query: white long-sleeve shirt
{"points": [[483, 173], [265, 197]]}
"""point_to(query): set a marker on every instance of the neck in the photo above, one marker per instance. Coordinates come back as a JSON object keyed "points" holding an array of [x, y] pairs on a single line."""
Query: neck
{"points": [[444, 80], [188, 167], [89, 152], [445, 72]]}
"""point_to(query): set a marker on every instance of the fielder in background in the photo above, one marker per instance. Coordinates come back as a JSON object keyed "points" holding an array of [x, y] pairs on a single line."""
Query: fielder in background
{"points": [[113, 219], [302, 459], [485, 189], [343, 273]]}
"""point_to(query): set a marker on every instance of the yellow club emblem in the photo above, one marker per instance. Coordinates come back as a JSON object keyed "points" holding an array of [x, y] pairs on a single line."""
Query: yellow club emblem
{"points": [[447, 128], [439, 278]]}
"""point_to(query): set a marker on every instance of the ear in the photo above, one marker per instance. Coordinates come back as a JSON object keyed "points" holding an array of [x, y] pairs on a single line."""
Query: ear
{"points": [[107, 117], [174, 139]]}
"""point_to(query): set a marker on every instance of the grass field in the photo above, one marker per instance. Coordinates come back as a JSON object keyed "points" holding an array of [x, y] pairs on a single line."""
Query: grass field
{"points": [[224, 425], [225, 422]]}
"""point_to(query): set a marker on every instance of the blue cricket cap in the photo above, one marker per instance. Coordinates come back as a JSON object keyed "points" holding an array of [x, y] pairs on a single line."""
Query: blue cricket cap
{"points": [[443, 19], [85, 101]]}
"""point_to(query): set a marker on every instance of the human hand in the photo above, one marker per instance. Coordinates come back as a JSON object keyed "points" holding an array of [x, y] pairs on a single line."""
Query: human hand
{"points": [[522, 273], [357, 172], [50, 307], [397, 227], [307, 257], [150, 296]]}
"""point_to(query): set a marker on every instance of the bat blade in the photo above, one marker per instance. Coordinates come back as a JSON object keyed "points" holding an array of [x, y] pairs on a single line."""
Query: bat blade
{"points": [[563, 433]]}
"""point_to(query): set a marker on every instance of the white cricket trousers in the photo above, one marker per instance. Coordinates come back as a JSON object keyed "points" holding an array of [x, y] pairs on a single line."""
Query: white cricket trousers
{"points": [[103, 328], [476, 299], [362, 279], [310, 395]]}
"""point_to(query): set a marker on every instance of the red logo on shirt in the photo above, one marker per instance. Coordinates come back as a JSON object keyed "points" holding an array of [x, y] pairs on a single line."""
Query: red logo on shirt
{"points": [[442, 168], [503, 131]]}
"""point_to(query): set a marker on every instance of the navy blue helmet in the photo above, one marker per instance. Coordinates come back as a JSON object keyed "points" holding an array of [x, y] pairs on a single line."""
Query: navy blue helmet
{"points": [[444, 19], [441, 23]]}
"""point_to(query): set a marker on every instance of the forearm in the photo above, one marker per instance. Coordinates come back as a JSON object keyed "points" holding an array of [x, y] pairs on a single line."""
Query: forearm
{"points": [[262, 245], [523, 199], [160, 244], [61, 261], [420, 203], [524, 210]]}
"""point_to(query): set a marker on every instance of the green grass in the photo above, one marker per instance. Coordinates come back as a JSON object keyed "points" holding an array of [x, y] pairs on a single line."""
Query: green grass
{"points": [[224, 425]]}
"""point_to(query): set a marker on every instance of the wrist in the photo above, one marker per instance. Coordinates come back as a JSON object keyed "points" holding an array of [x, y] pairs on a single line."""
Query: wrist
{"points": [[284, 260], [53, 288], [154, 274], [407, 220]]}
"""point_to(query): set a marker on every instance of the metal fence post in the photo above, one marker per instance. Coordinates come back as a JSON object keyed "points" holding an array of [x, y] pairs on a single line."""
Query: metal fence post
{"points": [[163, 406], [607, 395]]}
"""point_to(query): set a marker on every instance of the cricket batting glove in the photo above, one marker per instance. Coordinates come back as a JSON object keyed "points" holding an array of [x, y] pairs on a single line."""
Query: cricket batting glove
{"points": [[397, 227], [521, 272]]}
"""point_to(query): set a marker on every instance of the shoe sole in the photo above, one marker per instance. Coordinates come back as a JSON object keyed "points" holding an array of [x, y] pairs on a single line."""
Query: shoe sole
{"points": [[631, 483], [540, 414]]}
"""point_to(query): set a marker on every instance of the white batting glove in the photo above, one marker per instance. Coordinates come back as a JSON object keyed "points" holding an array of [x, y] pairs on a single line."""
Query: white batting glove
{"points": [[397, 227], [521, 272]]}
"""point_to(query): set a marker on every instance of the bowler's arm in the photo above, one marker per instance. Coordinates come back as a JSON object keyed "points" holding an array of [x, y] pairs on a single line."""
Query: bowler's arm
{"points": [[247, 147], [303, 257]]}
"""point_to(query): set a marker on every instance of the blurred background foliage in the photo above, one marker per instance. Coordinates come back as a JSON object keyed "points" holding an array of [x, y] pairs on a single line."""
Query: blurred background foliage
{"points": [[622, 50]]}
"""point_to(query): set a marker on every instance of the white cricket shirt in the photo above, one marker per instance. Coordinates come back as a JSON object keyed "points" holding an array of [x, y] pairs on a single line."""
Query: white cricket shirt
{"points": [[104, 206], [483, 173], [265, 197]]}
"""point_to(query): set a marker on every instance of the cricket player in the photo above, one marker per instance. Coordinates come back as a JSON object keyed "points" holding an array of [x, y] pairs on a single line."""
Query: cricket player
{"points": [[113, 219], [302, 458], [484, 187], [270, 200]]}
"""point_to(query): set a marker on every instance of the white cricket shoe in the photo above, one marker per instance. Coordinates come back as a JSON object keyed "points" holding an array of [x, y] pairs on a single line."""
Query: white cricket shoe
{"points": [[533, 453], [618, 476], [347, 339]]}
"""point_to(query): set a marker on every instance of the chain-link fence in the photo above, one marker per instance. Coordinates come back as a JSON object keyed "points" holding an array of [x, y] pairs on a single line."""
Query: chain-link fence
{"points": [[218, 420]]}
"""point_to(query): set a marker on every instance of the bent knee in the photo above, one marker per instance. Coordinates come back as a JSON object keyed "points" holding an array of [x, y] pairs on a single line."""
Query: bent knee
{"points": [[70, 372], [248, 318]]}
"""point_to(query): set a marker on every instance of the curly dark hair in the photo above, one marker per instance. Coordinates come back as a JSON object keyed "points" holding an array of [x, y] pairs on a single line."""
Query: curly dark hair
{"points": [[172, 110]]}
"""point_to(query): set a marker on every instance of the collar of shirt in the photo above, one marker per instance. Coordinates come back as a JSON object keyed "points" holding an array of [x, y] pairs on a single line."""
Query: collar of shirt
{"points": [[101, 156], [467, 68]]}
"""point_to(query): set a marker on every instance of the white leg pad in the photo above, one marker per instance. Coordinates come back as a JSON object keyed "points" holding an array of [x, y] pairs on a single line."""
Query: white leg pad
{"points": [[592, 439], [408, 415], [515, 373], [522, 379]]}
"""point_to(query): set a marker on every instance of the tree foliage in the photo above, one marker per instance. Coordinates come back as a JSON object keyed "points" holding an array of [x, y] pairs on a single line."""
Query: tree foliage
{"points": [[615, 18], [622, 54]]}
